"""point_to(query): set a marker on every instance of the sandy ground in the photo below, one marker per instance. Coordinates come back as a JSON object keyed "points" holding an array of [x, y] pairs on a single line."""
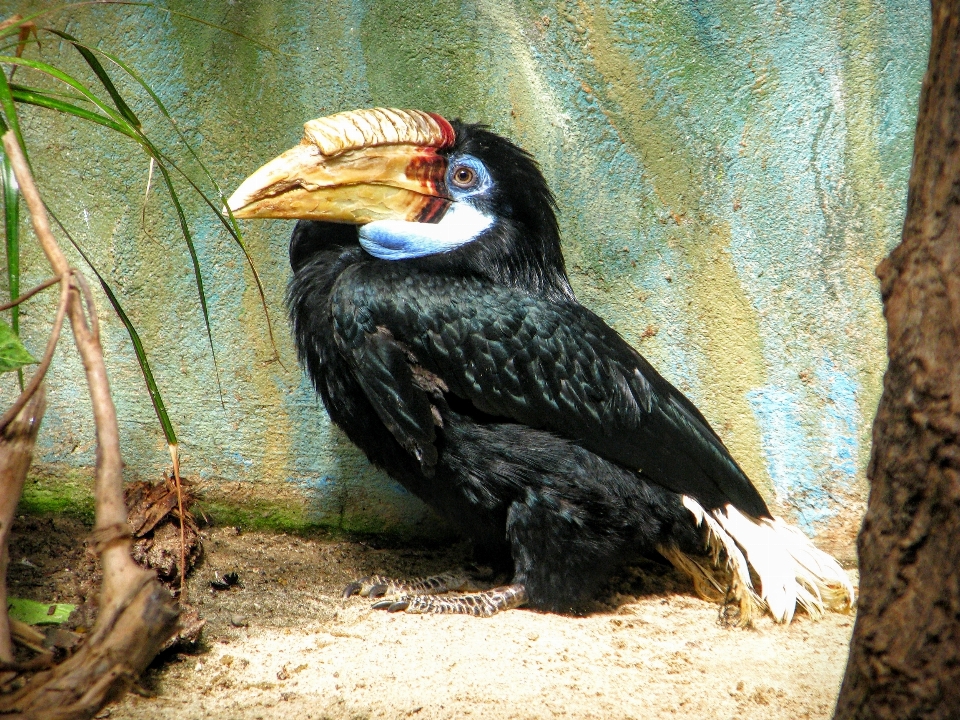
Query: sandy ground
{"points": [[285, 644]]}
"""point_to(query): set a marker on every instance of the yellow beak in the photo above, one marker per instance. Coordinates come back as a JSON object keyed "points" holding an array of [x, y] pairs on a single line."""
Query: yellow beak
{"points": [[355, 167]]}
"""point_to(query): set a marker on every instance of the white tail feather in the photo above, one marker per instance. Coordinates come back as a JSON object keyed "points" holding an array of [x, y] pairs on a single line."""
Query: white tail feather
{"points": [[790, 568]]}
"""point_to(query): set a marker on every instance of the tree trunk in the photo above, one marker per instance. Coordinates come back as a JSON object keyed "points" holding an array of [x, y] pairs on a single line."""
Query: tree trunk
{"points": [[905, 653]]}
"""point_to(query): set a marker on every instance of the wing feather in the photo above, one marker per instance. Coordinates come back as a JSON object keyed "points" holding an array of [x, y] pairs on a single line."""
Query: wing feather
{"points": [[551, 365]]}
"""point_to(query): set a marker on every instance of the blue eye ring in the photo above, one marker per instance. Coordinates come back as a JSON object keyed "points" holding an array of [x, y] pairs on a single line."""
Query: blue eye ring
{"points": [[467, 176]]}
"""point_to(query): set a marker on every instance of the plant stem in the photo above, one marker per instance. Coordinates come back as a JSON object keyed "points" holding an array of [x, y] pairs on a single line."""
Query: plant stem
{"points": [[29, 294], [137, 614], [119, 569]]}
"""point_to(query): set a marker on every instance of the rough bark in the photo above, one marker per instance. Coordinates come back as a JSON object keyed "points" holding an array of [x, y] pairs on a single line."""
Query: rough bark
{"points": [[905, 653]]}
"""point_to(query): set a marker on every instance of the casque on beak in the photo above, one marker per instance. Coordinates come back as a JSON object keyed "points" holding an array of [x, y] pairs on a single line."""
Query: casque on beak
{"points": [[355, 167]]}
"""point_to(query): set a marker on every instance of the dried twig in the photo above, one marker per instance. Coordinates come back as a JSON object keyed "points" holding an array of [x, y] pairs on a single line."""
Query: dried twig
{"points": [[16, 449], [41, 370], [30, 293], [136, 613], [174, 453]]}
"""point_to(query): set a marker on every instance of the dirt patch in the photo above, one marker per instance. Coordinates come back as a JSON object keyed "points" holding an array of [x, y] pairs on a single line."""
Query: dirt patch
{"points": [[47, 558], [283, 643]]}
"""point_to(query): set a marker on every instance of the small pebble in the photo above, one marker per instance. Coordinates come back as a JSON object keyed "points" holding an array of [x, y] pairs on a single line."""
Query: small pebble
{"points": [[239, 620]]}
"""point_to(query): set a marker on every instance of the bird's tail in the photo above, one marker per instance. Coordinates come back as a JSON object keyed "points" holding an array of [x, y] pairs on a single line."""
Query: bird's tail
{"points": [[790, 571]]}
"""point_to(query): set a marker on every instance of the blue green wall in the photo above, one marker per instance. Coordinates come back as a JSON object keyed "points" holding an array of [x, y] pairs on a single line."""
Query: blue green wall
{"points": [[728, 175]]}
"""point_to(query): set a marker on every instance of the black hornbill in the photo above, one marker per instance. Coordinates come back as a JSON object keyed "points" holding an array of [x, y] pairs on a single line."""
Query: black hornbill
{"points": [[432, 310]]}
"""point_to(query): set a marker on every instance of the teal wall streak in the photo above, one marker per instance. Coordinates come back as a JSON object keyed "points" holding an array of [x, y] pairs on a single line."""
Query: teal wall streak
{"points": [[728, 175]]}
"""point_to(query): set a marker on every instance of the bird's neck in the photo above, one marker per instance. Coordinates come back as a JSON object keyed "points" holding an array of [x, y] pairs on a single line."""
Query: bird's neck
{"points": [[531, 261], [507, 255]]}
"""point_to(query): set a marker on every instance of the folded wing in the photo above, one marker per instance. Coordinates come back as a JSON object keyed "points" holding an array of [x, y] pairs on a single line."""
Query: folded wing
{"points": [[548, 364]]}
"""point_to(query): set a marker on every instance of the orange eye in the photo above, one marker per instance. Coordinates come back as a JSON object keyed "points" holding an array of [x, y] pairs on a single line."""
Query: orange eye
{"points": [[464, 176]]}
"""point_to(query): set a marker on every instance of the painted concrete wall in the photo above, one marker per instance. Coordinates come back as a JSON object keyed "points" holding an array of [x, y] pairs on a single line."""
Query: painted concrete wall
{"points": [[728, 175]]}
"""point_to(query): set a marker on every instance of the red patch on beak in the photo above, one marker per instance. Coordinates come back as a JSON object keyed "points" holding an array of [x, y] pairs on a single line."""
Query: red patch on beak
{"points": [[448, 137], [434, 210], [429, 169]]}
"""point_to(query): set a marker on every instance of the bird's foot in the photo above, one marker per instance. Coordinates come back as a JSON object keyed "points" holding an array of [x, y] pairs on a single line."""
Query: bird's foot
{"points": [[378, 586], [481, 604]]}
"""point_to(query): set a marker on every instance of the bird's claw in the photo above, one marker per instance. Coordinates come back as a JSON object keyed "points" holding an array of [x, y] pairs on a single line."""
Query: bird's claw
{"points": [[421, 595], [373, 586], [392, 606]]}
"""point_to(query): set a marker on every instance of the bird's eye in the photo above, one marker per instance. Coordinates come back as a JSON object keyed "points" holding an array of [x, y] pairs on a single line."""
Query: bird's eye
{"points": [[464, 176]]}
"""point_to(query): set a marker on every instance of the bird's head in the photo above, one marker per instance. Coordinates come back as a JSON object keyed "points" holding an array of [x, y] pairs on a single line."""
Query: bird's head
{"points": [[448, 196]]}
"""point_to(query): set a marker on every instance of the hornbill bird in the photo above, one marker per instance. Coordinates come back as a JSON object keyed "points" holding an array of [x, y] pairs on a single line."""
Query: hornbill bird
{"points": [[432, 310]]}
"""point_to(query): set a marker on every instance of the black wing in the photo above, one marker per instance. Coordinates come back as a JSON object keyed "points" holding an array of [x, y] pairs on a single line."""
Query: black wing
{"points": [[551, 365]]}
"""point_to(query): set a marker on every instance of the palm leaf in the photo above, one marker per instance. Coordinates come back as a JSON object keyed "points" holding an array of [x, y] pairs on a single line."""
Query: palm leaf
{"points": [[122, 119], [228, 221], [45, 100], [198, 276], [102, 76], [11, 208], [154, 391]]}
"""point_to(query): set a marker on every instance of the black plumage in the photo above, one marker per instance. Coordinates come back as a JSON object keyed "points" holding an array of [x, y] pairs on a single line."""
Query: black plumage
{"points": [[562, 516], [478, 381], [439, 327]]}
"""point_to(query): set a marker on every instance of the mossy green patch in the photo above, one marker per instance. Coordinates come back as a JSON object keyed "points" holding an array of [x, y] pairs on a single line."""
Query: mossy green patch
{"points": [[67, 493], [284, 516], [257, 515]]}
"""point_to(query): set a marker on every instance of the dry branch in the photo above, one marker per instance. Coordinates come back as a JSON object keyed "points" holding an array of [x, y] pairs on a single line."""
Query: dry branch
{"points": [[137, 613], [17, 440], [30, 293], [38, 375]]}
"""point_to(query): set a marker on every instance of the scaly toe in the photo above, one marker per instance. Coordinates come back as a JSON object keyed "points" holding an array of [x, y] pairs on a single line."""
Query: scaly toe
{"points": [[379, 586]]}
